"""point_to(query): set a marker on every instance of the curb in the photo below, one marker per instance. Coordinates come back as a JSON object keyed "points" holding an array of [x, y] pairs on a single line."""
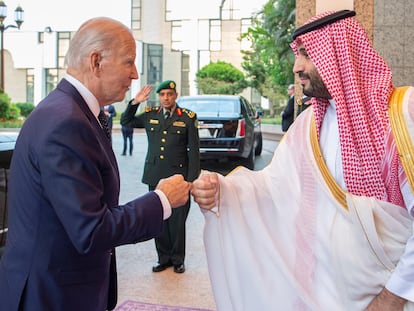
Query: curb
{"points": [[269, 131]]}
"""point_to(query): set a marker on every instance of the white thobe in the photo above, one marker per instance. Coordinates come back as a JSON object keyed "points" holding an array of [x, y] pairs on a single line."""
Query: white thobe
{"points": [[284, 241]]}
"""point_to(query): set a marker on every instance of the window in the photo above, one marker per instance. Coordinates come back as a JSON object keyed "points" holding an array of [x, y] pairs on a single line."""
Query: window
{"points": [[154, 69], [63, 46], [51, 80], [30, 86], [40, 37], [176, 35], [249, 108], [136, 15], [215, 35], [230, 11], [185, 74]]}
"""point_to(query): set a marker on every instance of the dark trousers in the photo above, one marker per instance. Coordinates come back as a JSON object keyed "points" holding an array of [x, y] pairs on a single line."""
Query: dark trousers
{"points": [[170, 245], [127, 134]]}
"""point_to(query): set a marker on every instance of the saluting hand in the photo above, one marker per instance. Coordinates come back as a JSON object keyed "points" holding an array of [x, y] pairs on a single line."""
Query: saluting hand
{"points": [[143, 94], [176, 189]]}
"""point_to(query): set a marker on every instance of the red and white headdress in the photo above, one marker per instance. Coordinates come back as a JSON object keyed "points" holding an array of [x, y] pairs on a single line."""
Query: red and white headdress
{"points": [[360, 82]]}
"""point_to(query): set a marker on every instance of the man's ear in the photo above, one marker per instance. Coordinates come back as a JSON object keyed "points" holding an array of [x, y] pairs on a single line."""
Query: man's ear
{"points": [[95, 62]]}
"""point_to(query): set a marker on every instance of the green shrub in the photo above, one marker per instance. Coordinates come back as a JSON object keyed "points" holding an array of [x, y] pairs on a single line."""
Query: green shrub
{"points": [[13, 113], [220, 78], [25, 108], [4, 105]]}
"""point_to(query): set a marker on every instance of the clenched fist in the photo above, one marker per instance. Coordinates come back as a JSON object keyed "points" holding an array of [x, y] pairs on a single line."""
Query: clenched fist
{"points": [[205, 190], [176, 189]]}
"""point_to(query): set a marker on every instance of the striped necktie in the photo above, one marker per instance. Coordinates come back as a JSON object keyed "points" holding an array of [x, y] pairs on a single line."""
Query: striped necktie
{"points": [[104, 123]]}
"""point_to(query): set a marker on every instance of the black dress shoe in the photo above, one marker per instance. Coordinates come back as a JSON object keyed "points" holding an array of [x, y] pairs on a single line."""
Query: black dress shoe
{"points": [[179, 268], [160, 267]]}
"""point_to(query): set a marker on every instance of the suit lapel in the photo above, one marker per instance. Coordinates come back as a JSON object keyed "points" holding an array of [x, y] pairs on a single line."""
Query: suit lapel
{"points": [[68, 88]]}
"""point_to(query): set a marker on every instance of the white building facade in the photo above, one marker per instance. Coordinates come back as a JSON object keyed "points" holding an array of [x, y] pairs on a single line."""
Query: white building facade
{"points": [[168, 47]]}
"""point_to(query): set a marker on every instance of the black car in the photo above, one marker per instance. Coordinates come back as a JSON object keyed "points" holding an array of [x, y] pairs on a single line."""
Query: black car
{"points": [[228, 126], [7, 142]]}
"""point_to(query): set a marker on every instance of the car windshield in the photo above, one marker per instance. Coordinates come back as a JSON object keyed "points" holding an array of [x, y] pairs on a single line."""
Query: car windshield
{"points": [[211, 107]]}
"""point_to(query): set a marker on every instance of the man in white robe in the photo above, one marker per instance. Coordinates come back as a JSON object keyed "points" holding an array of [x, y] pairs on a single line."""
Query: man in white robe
{"points": [[327, 225]]}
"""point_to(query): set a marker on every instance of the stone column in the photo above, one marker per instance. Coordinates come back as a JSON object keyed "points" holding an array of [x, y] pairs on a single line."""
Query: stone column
{"points": [[364, 9]]}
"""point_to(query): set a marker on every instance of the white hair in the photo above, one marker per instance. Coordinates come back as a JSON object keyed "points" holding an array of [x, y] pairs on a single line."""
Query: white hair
{"points": [[97, 34]]}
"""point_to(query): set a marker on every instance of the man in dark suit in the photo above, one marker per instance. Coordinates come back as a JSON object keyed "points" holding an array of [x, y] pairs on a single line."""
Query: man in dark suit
{"points": [[288, 113], [173, 148], [64, 216], [128, 136]]}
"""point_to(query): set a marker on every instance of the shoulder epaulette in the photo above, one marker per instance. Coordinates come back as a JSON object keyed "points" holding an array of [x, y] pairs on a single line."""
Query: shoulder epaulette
{"points": [[191, 114]]}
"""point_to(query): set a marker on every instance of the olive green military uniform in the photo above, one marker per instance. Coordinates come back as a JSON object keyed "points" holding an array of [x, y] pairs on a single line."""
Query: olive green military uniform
{"points": [[173, 148]]}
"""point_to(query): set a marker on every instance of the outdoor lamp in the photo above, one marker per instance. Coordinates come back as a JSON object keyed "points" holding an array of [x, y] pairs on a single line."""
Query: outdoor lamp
{"points": [[3, 11], [19, 16]]}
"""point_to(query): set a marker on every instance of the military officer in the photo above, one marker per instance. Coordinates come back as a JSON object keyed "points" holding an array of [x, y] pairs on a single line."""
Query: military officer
{"points": [[173, 147]]}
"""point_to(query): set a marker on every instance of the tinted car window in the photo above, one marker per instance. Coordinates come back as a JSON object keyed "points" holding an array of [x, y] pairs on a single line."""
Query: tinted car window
{"points": [[247, 108], [214, 108]]}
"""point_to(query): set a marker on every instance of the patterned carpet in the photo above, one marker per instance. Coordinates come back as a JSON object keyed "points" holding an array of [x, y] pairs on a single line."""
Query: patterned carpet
{"points": [[142, 306]]}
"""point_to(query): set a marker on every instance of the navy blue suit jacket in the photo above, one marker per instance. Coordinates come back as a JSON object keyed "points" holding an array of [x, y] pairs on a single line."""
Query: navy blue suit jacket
{"points": [[64, 215], [288, 114]]}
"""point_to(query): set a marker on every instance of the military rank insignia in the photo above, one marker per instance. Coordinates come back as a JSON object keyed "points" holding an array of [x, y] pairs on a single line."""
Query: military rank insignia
{"points": [[179, 123]]}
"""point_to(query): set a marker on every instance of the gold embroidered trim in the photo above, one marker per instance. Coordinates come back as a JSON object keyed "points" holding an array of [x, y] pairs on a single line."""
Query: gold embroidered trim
{"points": [[337, 192], [401, 134]]}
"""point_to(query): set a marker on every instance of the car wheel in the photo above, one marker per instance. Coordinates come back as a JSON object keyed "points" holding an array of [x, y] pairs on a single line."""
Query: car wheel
{"points": [[258, 144], [249, 161]]}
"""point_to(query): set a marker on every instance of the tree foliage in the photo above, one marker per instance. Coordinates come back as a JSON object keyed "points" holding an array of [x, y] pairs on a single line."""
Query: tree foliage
{"points": [[269, 63], [8, 111], [25, 108], [220, 78]]}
